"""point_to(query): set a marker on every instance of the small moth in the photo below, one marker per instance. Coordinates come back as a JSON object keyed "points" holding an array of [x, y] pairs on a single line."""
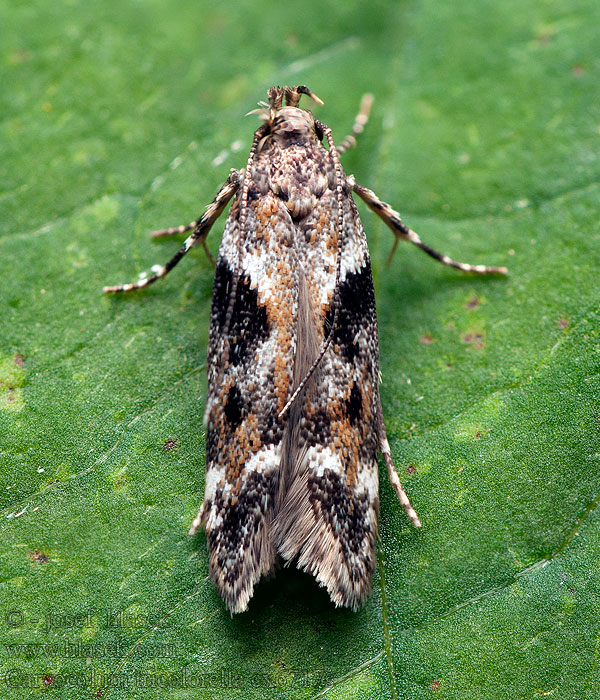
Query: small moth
{"points": [[293, 416]]}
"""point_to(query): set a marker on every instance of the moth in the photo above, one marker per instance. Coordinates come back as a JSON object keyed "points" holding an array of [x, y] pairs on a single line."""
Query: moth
{"points": [[293, 416]]}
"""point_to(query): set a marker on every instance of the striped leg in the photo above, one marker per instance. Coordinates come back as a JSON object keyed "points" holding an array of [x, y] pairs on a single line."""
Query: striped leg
{"points": [[164, 232], [175, 230], [201, 230], [384, 447], [392, 219], [359, 124]]}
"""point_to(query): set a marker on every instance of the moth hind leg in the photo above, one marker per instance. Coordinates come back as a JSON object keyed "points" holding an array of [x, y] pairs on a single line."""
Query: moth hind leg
{"points": [[384, 447], [201, 229], [392, 219]]}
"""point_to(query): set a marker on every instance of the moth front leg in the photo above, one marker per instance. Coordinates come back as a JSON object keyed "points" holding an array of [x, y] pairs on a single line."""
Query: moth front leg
{"points": [[359, 124], [392, 219], [201, 230]]}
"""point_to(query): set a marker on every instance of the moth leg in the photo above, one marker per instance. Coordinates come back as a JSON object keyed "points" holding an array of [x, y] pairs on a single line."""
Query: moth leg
{"points": [[359, 124], [201, 231], [384, 447], [164, 232], [175, 230], [401, 231]]}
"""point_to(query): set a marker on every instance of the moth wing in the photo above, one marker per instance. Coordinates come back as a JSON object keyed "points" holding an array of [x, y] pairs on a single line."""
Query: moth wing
{"points": [[250, 361], [328, 496]]}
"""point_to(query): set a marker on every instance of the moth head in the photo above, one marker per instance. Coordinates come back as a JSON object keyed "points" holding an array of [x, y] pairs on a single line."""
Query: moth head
{"points": [[284, 118]]}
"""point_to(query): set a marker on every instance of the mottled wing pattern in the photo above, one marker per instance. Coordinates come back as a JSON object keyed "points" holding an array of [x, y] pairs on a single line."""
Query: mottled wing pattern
{"points": [[249, 381], [328, 501], [303, 485]]}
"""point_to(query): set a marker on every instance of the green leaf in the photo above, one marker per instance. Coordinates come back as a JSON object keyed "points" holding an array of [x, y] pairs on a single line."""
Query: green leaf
{"points": [[119, 118]]}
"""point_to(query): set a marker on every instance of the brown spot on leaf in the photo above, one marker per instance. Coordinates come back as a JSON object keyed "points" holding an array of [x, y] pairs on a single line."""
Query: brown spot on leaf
{"points": [[578, 70], [544, 39], [411, 469], [562, 323], [475, 340], [18, 56], [19, 360], [435, 685], [48, 680], [472, 303], [169, 444], [38, 556], [426, 339], [99, 693]]}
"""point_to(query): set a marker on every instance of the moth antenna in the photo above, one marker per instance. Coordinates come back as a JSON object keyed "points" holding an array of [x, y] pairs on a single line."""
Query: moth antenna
{"points": [[335, 299], [258, 135]]}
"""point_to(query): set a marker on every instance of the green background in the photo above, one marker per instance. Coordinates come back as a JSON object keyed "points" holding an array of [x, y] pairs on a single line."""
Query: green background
{"points": [[484, 134]]}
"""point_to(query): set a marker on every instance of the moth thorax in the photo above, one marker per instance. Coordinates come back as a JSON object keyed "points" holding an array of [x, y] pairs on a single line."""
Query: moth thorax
{"points": [[292, 123]]}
